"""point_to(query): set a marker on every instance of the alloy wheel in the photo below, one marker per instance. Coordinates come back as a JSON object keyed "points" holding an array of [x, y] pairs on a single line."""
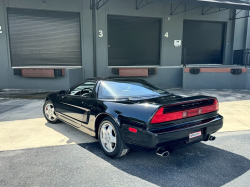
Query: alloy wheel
{"points": [[108, 137], [49, 111]]}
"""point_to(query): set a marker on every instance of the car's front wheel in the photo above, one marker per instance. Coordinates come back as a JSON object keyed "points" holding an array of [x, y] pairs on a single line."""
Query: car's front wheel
{"points": [[49, 112], [110, 139]]}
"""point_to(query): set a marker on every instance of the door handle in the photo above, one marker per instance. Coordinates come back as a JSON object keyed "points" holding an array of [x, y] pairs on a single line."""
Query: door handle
{"points": [[64, 96]]}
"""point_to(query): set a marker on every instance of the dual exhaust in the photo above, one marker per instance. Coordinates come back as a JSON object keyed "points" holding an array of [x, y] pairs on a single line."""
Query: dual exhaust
{"points": [[165, 153]]}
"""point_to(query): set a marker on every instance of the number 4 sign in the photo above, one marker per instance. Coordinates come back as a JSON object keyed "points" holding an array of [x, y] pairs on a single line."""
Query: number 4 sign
{"points": [[166, 35]]}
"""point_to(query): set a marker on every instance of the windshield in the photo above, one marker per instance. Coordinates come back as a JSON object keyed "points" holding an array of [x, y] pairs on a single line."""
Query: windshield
{"points": [[128, 89]]}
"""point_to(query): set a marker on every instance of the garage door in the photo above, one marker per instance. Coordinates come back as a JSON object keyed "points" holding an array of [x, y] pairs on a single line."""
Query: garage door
{"points": [[44, 38], [133, 41], [204, 42]]}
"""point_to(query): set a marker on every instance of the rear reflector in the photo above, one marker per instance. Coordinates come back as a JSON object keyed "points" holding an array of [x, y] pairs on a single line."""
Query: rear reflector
{"points": [[160, 117], [132, 129]]}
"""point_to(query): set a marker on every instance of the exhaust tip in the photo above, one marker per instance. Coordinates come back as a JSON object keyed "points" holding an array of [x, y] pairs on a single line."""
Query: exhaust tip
{"points": [[212, 138]]}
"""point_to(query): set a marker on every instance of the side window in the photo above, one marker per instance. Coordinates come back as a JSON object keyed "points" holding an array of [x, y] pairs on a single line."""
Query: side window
{"points": [[83, 89]]}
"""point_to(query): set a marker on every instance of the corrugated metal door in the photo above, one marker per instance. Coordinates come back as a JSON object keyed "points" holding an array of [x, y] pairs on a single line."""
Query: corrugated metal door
{"points": [[204, 41], [44, 38], [133, 41]]}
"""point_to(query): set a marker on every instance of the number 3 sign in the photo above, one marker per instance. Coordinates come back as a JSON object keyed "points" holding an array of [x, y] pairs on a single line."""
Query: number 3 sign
{"points": [[100, 33]]}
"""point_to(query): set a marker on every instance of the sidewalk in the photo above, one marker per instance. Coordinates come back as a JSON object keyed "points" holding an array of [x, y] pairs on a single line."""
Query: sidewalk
{"points": [[221, 95], [24, 94], [234, 104]]}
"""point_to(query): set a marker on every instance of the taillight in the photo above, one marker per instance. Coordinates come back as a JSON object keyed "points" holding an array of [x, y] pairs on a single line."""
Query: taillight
{"points": [[160, 117], [211, 108]]}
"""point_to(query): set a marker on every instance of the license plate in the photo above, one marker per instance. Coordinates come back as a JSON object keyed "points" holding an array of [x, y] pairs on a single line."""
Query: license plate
{"points": [[195, 134]]}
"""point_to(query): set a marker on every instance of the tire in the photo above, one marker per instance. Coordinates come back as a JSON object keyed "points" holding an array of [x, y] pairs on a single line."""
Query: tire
{"points": [[49, 112], [106, 139]]}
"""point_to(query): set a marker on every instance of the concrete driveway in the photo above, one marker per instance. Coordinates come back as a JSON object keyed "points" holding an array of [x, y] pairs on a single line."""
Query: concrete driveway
{"points": [[36, 153]]}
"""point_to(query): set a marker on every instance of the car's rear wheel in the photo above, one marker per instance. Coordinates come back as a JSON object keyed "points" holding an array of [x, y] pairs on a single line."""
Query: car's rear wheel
{"points": [[110, 139], [49, 112]]}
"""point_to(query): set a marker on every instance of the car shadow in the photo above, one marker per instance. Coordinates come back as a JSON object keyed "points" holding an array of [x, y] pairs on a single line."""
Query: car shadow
{"points": [[73, 134], [194, 165]]}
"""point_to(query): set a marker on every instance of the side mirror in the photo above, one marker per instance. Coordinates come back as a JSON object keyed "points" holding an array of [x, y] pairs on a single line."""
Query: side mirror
{"points": [[62, 92]]}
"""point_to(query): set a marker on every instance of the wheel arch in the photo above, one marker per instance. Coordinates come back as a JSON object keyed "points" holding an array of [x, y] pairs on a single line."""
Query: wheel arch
{"points": [[51, 97], [98, 120]]}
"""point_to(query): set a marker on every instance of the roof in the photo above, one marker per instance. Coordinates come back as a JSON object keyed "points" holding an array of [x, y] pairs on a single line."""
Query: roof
{"points": [[230, 4]]}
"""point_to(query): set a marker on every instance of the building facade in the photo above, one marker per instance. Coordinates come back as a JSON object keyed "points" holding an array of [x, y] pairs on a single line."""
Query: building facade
{"points": [[54, 44]]}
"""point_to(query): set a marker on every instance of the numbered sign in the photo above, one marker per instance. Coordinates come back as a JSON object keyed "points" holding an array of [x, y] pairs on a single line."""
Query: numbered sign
{"points": [[100, 33]]}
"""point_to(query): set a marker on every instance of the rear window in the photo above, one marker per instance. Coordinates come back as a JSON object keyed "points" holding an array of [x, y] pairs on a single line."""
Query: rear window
{"points": [[128, 89]]}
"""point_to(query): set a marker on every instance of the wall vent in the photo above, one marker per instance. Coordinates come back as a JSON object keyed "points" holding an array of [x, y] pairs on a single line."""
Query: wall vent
{"points": [[194, 70]]}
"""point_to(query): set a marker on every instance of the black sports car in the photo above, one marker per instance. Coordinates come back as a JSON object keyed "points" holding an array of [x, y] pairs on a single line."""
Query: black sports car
{"points": [[126, 113]]}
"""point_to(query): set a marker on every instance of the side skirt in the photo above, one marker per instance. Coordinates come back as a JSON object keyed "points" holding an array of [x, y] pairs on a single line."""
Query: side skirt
{"points": [[76, 124]]}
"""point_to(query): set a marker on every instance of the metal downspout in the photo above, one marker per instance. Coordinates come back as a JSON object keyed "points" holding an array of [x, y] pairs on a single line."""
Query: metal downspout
{"points": [[247, 32], [94, 35]]}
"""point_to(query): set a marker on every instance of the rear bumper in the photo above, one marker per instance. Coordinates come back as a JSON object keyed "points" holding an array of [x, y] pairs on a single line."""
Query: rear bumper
{"points": [[155, 138]]}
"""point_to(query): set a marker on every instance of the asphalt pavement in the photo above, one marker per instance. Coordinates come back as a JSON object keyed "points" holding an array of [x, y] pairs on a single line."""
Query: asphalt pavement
{"points": [[225, 161], [36, 153]]}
